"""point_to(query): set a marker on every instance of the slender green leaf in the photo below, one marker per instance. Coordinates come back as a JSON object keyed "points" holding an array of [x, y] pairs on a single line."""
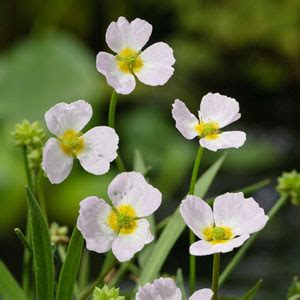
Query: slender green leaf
{"points": [[174, 229], [9, 287], [68, 273], [180, 283], [294, 290], [139, 164], [252, 292], [42, 253]]}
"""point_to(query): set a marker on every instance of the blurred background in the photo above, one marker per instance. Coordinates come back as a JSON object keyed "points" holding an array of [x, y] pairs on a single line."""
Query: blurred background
{"points": [[249, 50]]}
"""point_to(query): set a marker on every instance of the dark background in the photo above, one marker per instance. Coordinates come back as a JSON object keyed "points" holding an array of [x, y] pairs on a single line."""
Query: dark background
{"points": [[249, 50]]}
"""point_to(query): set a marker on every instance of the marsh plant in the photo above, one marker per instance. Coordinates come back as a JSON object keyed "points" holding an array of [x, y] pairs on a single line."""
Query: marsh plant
{"points": [[121, 226]]}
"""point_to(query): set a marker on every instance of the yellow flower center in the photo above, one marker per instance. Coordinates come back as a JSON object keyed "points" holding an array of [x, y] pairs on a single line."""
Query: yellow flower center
{"points": [[209, 130], [218, 234], [72, 143], [129, 61], [123, 219]]}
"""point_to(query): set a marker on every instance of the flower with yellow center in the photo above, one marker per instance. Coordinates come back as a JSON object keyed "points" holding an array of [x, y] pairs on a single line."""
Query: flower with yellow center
{"points": [[216, 111], [94, 149], [121, 226], [153, 66], [227, 226]]}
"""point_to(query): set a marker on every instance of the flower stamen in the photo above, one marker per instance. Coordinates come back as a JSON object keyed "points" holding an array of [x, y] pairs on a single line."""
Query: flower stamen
{"points": [[218, 234], [208, 130], [129, 61], [72, 143]]}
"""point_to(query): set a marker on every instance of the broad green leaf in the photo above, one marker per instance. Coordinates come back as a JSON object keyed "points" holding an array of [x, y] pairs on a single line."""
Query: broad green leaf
{"points": [[68, 273], [9, 287], [252, 292], [42, 253], [294, 290], [173, 230]]}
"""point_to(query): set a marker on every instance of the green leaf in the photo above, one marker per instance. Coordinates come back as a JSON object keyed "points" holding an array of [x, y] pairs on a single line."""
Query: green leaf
{"points": [[68, 273], [252, 292], [42, 253], [294, 290], [9, 287], [173, 230], [180, 283], [139, 164]]}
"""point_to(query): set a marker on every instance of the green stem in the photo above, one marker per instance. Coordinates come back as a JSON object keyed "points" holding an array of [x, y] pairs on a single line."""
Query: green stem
{"points": [[27, 169], [243, 250], [41, 194], [111, 123], [119, 275], [23, 239], [215, 276], [192, 235]]}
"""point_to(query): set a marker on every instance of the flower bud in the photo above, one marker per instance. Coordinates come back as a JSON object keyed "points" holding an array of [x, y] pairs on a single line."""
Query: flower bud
{"points": [[289, 183], [107, 294]]}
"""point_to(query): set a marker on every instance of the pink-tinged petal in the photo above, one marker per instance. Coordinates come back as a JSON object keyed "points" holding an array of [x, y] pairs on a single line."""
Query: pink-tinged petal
{"points": [[204, 294], [202, 247], [63, 116], [185, 120], [218, 108], [100, 149], [157, 69], [160, 289], [225, 140], [122, 34], [56, 163], [132, 188], [242, 215], [197, 214], [125, 246], [123, 83], [92, 223]]}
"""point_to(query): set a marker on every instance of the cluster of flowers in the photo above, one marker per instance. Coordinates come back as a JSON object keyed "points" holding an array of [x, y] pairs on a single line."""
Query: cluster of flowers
{"points": [[120, 224]]}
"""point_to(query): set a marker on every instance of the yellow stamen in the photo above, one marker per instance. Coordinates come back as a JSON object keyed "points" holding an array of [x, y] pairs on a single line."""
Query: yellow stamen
{"points": [[218, 234], [129, 61], [72, 143], [123, 220], [209, 130]]}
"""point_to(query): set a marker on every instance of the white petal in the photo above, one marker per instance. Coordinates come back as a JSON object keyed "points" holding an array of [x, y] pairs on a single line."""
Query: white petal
{"points": [[202, 247], [56, 163], [197, 214], [126, 245], [63, 116], [92, 223], [242, 215], [185, 120], [218, 108], [100, 148], [132, 188], [157, 67], [122, 34], [227, 139], [123, 83], [160, 289], [204, 294]]}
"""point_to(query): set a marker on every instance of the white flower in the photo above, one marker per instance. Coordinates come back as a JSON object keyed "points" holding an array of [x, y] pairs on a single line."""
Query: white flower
{"points": [[228, 226], [95, 149], [121, 227], [165, 289], [153, 66], [216, 111]]}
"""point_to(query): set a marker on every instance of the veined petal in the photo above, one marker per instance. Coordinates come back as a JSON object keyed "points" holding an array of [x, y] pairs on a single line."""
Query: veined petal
{"points": [[204, 294], [100, 149], [185, 120], [132, 188], [126, 245], [202, 247], [218, 108], [160, 289], [122, 34], [157, 69], [123, 83], [63, 116], [227, 139], [242, 215], [92, 223], [197, 214], [56, 163]]}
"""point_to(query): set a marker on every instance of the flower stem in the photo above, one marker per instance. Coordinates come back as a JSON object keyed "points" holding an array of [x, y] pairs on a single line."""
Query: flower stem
{"points": [[111, 123], [215, 275], [192, 235], [41, 194], [243, 250]]}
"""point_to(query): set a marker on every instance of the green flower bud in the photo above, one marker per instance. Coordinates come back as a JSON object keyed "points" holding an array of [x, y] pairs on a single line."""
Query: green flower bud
{"points": [[58, 235], [107, 294], [290, 183], [29, 134]]}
